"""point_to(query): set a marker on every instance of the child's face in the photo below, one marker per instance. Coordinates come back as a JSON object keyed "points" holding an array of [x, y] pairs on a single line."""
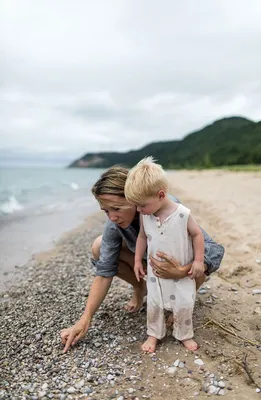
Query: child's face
{"points": [[149, 206]]}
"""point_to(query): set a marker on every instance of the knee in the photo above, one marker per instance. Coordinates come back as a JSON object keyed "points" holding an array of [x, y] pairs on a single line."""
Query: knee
{"points": [[96, 246]]}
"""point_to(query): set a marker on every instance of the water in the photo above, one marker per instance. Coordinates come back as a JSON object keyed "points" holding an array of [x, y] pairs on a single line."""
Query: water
{"points": [[37, 205]]}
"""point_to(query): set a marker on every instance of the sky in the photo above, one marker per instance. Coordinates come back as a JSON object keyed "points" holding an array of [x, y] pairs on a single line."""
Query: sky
{"points": [[88, 76]]}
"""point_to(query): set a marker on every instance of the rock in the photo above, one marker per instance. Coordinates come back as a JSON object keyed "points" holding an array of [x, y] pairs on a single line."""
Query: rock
{"points": [[41, 394], [202, 291], [258, 390], [110, 377], [176, 363], [71, 389], [171, 370], [256, 291], [221, 392], [212, 389], [198, 361], [181, 364], [221, 384], [258, 261], [131, 390], [80, 384]]}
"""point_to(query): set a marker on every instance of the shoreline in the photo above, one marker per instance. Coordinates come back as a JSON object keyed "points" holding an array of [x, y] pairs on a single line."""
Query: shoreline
{"points": [[108, 363]]}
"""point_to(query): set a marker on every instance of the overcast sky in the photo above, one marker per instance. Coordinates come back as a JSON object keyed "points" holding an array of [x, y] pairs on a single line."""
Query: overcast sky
{"points": [[83, 76]]}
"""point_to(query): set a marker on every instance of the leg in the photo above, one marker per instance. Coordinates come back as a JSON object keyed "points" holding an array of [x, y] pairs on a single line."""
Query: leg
{"points": [[156, 328], [200, 281], [185, 293], [125, 272]]}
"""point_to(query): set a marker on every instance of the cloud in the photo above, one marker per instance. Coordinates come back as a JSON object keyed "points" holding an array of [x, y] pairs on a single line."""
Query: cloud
{"points": [[99, 76]]}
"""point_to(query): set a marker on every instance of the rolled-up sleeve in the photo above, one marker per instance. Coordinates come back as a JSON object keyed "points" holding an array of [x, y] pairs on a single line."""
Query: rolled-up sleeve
{"points": [[214, 254], [107, 265]]}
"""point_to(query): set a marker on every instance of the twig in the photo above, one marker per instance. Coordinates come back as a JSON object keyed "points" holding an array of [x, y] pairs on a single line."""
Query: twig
{"points": [[248, 372], [229, 331]]}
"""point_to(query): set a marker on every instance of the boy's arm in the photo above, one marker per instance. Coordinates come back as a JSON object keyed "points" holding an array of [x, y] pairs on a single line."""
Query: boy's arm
{"points": [[141, 243], [196, 234]]}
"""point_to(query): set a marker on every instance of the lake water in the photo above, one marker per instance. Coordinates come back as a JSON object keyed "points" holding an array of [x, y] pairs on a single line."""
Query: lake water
{"points": [[37, 205]]}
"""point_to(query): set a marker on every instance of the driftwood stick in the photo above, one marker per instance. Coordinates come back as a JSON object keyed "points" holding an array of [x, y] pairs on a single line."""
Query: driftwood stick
{"points": [[229, 331], [248, 372]]}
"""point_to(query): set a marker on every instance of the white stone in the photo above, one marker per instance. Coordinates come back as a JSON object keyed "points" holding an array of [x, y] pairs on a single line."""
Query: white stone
{"points": [[171, 370], [256, 291], [41, 394], [45, 386], [131, 390], [221, 384], [212, 389], [258, 390], [80, 384], [176, 363], [71, 389], [198, 361], [110, 377], [221, 392]]}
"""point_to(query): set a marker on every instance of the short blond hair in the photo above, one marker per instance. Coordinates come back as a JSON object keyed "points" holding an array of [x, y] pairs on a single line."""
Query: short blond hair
{"points": [[145, 180]]}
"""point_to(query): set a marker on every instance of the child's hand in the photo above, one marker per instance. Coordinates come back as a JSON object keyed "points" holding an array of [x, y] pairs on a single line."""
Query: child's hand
{"points": [[196, 270], [138, 270]]}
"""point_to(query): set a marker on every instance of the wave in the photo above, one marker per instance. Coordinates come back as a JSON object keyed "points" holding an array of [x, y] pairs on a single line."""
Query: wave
{"points": [[10, 206], [72, 185]]}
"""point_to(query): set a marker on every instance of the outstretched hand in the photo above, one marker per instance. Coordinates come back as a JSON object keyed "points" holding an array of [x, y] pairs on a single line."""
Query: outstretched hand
{"points": [[168, 267], [72, 335]]}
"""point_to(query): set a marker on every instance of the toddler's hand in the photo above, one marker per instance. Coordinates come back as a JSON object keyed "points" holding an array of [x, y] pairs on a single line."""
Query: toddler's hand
{"points": [[138, 270], [197, 270]]}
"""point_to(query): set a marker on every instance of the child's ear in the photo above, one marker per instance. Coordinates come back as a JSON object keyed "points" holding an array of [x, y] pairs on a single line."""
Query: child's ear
{"points": [[161, 195]]}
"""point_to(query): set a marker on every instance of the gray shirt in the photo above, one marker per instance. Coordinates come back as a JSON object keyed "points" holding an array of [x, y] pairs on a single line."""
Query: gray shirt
{"points": [[112, 238]]}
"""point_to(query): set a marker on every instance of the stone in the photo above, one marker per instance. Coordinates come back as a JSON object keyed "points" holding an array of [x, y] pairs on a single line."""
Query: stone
{"points": [[212, 389], [71, 389], [198, 361], [221, 384], [171, 370], [256, 291]]}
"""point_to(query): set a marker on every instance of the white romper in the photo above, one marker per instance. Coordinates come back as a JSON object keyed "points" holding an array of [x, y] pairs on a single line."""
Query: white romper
{"points": [[176, 295]]}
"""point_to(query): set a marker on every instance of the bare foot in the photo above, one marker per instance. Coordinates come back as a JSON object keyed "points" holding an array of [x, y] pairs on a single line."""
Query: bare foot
{"points": [[150, 345], [136, 301], [190, 344]]}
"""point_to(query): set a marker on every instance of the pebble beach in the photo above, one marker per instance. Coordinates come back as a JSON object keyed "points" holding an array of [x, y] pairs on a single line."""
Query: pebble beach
{"points": [[108, 363]]}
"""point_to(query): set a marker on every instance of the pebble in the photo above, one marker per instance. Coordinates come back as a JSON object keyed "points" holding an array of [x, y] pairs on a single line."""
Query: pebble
{"points": [[80, 384], [221, 392], [258, 390], [198, 361], [171, 370], [212, 389], [202, 291], [256, 291], [71, 389], [221, 384]]}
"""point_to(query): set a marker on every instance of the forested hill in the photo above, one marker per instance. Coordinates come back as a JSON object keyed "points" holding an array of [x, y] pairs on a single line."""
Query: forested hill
{"points": [[229, 141]]}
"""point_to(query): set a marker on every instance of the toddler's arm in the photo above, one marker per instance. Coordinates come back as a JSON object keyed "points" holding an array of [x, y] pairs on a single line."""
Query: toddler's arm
{"points": [[141, 246], [196, 234]]}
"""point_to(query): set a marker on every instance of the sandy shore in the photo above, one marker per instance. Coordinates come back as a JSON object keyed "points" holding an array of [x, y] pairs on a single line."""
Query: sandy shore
{"points": [[108, 364]]}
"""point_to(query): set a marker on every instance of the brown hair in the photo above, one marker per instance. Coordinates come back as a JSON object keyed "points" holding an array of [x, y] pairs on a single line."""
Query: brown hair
{"points": [[111, 182]]}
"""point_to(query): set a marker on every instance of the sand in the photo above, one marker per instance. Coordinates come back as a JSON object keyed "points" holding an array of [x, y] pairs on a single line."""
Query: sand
{"points": [[227, 317]]}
